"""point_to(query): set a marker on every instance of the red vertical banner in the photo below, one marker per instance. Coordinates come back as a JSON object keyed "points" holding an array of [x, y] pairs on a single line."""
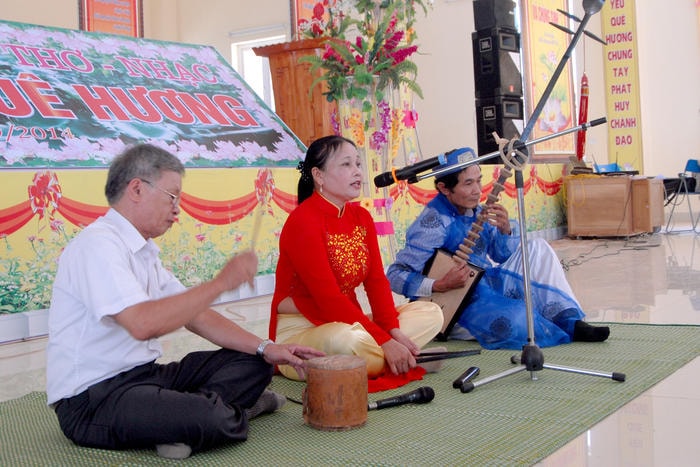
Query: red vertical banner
{"points": [[582, 118], [123, 17]]}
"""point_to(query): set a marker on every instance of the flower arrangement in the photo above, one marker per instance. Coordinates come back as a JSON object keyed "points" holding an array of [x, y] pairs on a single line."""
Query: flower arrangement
{"points": [[369, 46]]}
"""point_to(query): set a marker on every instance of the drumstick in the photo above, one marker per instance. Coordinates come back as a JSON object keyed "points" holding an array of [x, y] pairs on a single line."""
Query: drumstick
{"points": [[457, 353], [430, 357], [256, 228]]}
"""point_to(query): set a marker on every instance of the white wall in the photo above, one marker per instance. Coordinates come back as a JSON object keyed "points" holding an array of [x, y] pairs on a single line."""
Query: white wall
{"points": [[669, 62], [209, 22], [669, 69], [56, 13]]}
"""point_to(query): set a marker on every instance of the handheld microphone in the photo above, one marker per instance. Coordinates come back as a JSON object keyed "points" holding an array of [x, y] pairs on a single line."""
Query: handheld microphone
{"points": [[472, 372], [409, 172], [419, 396]]}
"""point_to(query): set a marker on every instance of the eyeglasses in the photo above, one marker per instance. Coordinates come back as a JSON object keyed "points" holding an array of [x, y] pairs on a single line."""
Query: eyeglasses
{"points": [[175, 199]]}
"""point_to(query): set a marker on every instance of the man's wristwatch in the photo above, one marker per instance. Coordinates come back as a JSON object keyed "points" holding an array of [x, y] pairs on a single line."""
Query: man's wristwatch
{"points": [[261, 348]]}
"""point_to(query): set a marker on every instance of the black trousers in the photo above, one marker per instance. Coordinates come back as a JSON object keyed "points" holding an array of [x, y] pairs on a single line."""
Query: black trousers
{"points": [[198, 401]]}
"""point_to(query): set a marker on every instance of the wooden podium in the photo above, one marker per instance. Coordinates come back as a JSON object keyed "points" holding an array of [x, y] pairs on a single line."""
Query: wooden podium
{"points": [[309, 117], [613, 206]]}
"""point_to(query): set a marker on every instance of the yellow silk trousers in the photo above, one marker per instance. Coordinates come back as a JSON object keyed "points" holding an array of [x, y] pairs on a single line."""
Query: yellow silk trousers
{"points": [[420, 321]]}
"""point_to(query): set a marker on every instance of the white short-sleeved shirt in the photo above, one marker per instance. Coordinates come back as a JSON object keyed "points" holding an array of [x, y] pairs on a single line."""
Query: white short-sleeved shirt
{"points": [[106, 268]]}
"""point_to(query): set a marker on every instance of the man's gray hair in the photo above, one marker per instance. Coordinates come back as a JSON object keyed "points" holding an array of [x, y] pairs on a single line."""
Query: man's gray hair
{"points": [[143, 161]]}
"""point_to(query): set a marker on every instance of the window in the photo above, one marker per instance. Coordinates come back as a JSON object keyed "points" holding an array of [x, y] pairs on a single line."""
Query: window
{"points": [[255, 70]]}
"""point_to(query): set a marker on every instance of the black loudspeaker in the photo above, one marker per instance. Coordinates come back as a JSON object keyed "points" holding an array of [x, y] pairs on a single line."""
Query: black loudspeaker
{"points": [[497, 63], [502, 114], [489, 14]]}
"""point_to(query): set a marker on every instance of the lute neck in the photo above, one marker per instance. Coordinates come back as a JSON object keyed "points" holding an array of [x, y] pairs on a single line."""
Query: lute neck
{"points": [[466, 247]]}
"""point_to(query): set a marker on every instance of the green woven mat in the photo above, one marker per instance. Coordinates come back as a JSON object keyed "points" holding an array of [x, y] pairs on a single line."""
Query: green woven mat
{"points": [[512, 421]]}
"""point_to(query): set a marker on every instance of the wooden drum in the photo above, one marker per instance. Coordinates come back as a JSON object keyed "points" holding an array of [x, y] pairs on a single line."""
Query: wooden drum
{"points": [[335, 396]]}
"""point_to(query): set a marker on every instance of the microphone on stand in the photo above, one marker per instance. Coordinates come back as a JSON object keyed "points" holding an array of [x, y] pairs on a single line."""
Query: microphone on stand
{"points": [[591, 7], [419, 396], [409, 172]]}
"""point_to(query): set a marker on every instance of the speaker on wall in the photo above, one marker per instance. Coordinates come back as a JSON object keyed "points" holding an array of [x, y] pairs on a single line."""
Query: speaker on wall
{"points": [[496, 55], [502, 114], [489, 14]]}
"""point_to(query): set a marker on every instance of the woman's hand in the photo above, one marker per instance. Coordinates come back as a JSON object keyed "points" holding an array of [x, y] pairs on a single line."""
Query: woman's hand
{"points": [[400, 352]]}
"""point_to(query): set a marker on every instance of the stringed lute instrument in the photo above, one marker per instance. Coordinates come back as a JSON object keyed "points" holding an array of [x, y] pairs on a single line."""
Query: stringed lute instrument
{"points": [[454, 301]]}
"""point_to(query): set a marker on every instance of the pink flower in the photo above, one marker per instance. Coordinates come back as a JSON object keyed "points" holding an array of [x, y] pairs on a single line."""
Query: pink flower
{"points": [[410, 117], [392, 22], [402, 54], [393, 41], [331, 54], [56, 225]]}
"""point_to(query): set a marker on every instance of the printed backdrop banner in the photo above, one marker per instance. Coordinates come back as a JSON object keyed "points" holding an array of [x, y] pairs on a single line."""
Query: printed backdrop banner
{"points": [[545, 45], [73, 98], [622, 85]]}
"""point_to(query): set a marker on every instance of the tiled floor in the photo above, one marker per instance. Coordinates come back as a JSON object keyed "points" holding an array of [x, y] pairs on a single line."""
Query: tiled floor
{"points": [[635, 281], [646, 279]]}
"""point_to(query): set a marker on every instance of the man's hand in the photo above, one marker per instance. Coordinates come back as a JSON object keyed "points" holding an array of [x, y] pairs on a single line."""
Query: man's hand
{"points": [[497, 215], [238, 270], [291, 354], [455, 278]]}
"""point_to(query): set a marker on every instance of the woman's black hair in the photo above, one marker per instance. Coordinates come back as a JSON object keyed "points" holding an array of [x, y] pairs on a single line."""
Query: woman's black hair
{"points": [[316, 156]]}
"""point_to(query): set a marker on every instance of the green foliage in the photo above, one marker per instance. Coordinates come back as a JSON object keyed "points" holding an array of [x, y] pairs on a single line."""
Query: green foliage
{"points": [[26, 284], [370, 52]]}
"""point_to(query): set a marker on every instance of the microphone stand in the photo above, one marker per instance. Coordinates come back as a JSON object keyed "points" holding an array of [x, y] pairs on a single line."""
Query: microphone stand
{"points": [[515, 156]]}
